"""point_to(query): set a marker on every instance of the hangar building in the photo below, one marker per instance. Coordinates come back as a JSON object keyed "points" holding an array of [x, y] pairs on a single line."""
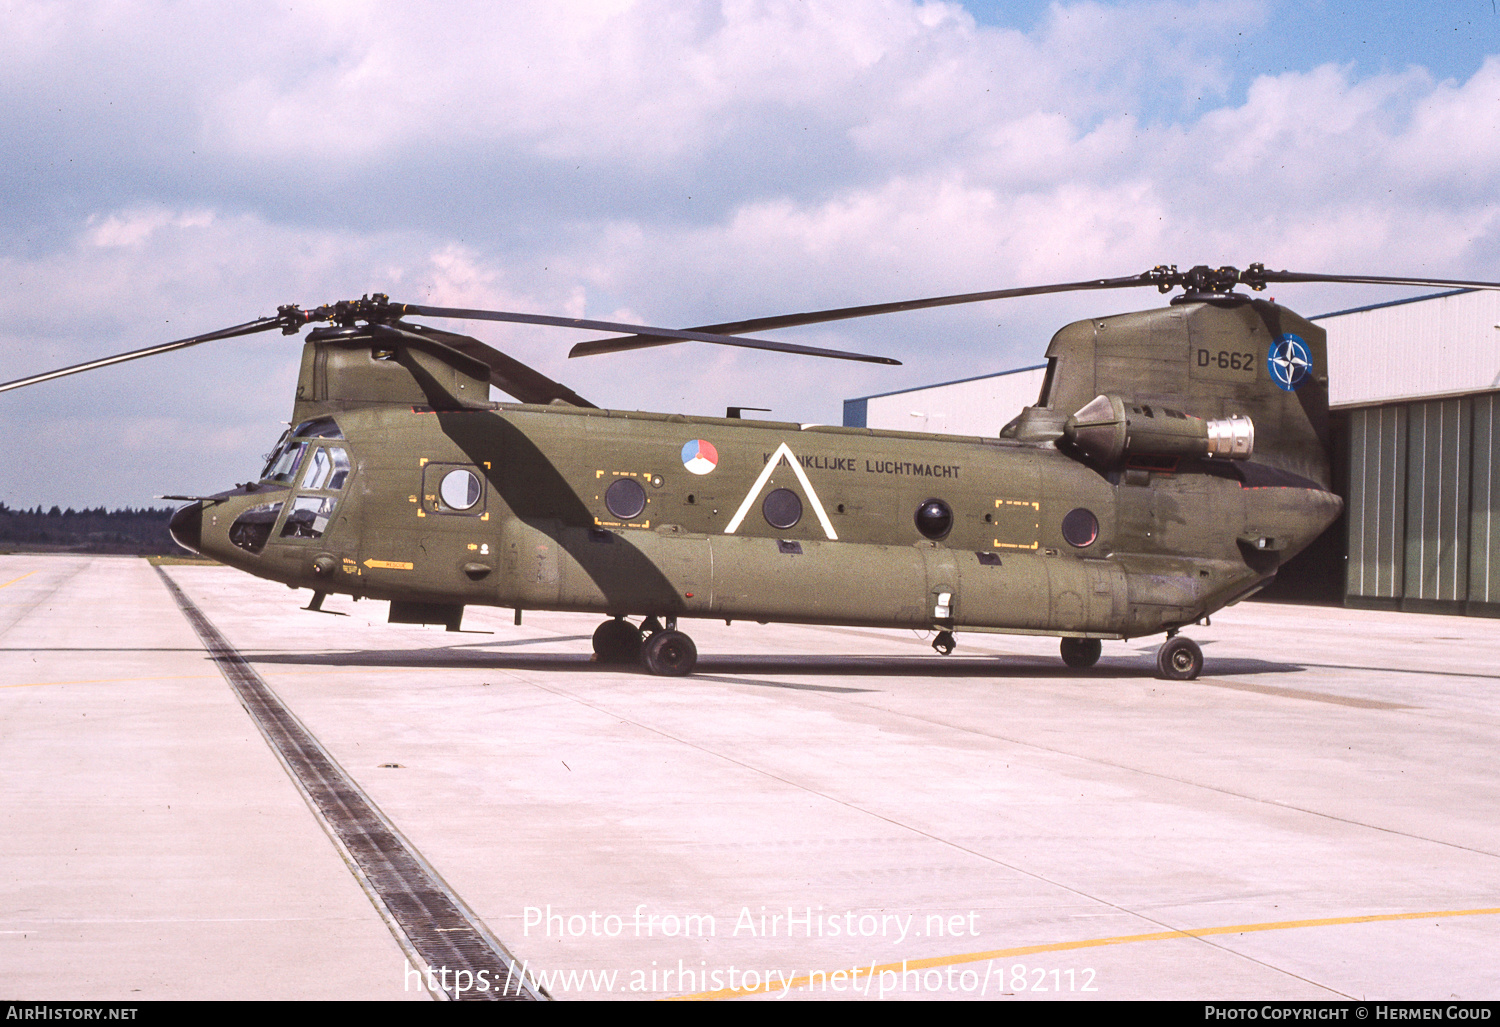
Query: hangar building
{"points": [[1415, 390]]}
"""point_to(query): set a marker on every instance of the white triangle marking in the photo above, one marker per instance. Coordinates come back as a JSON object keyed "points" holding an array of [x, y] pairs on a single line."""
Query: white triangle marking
{"points": [[765, 476]]}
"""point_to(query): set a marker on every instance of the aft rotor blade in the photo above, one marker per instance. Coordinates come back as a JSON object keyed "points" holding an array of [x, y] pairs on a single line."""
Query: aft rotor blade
{"points": [[666, 335], [765, 324], [248, 328], [1200, 279]]}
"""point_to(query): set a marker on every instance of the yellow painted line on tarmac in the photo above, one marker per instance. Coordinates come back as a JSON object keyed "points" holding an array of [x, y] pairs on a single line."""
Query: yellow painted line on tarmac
{"points": [[1124, 939], [12, 581]]}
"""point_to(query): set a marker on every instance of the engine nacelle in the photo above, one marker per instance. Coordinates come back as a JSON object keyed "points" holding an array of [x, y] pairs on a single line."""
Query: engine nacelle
{"points": [[1108, 429]]}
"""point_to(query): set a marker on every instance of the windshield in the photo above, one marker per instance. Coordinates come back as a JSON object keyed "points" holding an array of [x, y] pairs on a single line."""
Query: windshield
{"points": [[283, 462], [283, 466]]}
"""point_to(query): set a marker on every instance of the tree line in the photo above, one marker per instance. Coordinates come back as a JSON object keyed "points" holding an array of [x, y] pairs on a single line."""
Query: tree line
{"points": [[139, 531]]}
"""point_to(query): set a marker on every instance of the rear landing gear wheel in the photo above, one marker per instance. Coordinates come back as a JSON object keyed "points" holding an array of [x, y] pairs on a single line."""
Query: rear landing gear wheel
{"points": [[617, 641], [944, 643], [670, 653], [1081, 653], [1179, 659]]}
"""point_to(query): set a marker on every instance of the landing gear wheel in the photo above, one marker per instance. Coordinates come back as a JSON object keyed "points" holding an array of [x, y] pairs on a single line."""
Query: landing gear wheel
{"points": [[670, 653], [1081, 653], [1179, 659], [944, 643], [617, 641]]}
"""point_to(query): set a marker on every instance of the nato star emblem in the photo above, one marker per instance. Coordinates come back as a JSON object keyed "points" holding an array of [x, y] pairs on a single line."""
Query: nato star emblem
{"points": [[1289, 362]]}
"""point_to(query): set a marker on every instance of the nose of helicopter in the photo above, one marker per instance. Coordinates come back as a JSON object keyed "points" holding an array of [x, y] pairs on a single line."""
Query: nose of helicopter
{"points": [[186, 527]]}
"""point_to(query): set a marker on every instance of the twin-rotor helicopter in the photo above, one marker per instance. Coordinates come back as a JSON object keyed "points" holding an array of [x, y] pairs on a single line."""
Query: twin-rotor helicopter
{"points": [[1174, 460]]}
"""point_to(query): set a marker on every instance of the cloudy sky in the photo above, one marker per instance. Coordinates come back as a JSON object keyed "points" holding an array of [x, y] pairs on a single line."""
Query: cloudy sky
{"points": [[170, 168]]}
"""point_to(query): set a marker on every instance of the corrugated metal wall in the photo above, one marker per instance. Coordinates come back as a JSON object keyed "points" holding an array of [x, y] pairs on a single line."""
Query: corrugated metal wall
{"points": [[1484, 490], [1377, 502], [1422, 496], [1437, 500], [1430, 347]]}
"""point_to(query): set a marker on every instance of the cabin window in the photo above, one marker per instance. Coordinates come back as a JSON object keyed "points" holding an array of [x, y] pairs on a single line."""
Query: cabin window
{"points": [[453, 490], [934, 519], [460, 489], [1080, 528], [625, 498], [782, 509]]}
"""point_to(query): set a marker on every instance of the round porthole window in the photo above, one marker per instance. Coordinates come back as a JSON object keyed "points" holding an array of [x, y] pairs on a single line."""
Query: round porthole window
{"points": [[782, 509], [460, 489], [1080, 528], [625, 498], [934, 519]]}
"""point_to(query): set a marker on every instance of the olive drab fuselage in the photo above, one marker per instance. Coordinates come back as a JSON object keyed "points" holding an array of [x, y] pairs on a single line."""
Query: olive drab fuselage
{"points": [[460, 502]]}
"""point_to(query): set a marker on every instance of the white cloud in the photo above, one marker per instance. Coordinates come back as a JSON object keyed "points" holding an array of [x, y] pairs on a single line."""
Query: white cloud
{"points": [[132, 228], [178, 169]]}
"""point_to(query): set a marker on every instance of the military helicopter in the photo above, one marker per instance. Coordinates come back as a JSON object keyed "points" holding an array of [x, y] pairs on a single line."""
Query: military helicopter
{"points": [[1175, 459]]}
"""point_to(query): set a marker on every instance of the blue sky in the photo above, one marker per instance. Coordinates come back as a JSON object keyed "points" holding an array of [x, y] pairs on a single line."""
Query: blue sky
{"points": [[172, 169], [1450, 39]]}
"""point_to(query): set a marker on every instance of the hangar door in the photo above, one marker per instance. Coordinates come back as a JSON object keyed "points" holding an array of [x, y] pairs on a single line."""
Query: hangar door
{"points": [[1423, 494]]}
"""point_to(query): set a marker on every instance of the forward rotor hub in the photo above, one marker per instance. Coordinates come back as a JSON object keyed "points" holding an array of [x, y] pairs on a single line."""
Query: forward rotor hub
{"points": [[372, 309]]}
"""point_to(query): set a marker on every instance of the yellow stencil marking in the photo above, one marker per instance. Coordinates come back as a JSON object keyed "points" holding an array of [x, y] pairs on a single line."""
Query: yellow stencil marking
{"points": [[1010, 508], [12, 581]]}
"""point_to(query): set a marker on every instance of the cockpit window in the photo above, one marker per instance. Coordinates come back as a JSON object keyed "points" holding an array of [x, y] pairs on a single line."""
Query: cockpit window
{"points": [[252, 528], [309, 517], [283, 466], [318, 428], [327, 470], [275, 452], [283, 462]]}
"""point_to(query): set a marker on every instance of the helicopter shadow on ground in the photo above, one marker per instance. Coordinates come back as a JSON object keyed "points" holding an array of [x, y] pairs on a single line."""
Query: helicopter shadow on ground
{"points": [[714, 666]]}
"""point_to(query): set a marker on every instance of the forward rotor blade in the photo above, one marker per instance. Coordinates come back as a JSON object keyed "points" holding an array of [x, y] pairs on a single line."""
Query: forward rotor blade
{"points": [[764, 324], [248, 328], [506, 373], [666, 335]]}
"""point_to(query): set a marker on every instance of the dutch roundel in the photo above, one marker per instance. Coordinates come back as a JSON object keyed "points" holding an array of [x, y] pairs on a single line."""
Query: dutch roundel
{"points": [[700, 456]]}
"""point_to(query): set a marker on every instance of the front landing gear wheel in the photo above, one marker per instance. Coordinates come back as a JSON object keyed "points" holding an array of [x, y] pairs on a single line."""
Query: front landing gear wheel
{"points": [[944, 643], [617, 641], [1081, 653], [670, 653], [1179, 659]]}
